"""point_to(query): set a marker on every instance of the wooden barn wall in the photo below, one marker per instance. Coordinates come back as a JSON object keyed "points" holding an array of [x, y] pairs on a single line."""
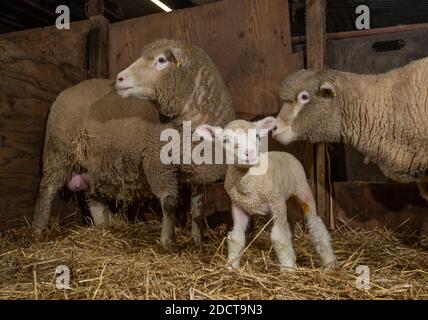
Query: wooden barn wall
{"points": [[59, 46], [380, 203], [28, 85], [249, 41]]}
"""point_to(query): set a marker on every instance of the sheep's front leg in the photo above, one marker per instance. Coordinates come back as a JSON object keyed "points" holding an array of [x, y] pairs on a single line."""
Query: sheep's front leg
{"points": [[318, 232], [169, 207], [164, 185], [196, 218], [281, 236], [100, 212], [236, 237]]}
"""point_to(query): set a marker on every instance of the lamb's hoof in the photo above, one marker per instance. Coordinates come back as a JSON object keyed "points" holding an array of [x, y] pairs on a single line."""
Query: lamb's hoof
{"points": [[288, 268], [329, 266], [232, 266]]}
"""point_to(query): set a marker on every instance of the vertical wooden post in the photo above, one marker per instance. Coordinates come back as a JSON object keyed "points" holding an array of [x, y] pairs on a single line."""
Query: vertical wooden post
{"points": [[94, 8], [316, 39], [98, 47]]}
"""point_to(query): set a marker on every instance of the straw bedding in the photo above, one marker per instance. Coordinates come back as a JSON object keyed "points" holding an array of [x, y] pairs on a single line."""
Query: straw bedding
{"points": [[126, 261]]}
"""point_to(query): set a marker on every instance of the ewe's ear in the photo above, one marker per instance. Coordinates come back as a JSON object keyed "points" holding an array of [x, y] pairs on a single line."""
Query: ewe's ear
{"points": [[180, 56], [328, 89], [265, 125], [208, 132]]}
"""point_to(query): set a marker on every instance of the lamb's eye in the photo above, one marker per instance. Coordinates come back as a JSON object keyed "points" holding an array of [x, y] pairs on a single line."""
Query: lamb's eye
{"points": [[162, 60]]}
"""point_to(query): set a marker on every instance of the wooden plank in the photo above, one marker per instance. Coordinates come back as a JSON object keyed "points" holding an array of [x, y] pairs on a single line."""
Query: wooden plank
{"points": [[365, 33], [59, 46], [249, 40], [98, 47], [397, 207], [28, 86], [316, 38]]}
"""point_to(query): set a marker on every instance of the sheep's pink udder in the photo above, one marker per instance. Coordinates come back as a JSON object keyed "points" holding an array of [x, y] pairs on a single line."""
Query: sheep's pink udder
{"points": [[78, 182]]}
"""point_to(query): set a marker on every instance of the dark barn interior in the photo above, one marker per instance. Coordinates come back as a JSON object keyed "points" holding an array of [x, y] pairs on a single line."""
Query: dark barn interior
{"points": [[38, 61]]}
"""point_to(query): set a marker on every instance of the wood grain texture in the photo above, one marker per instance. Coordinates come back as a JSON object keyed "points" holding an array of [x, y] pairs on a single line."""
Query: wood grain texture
{"points": [[249, 40], [98, 47], [316, 51], [28, 86], [59, 46]]}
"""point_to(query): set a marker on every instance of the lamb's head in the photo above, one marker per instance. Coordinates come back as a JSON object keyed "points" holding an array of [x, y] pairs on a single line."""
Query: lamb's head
{"points": [[166, 73], [243, 141], [310, 110]]}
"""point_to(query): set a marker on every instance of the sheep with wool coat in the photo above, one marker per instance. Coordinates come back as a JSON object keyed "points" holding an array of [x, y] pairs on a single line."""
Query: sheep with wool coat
{"points": [[384, 116]]}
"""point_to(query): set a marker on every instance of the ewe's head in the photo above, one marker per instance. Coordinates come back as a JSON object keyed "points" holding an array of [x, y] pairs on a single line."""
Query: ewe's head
{"points": [[243, 141], [165, 72], [309, 110]]}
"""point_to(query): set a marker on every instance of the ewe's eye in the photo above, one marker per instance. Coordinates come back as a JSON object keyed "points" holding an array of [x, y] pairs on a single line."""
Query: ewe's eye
{"points": [[161, 63], [304, 97]]}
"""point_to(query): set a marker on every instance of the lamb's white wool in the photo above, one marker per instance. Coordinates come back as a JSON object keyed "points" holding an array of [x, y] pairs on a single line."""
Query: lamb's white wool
{"points": [[236, 237], [282, 241], [267, 194], [321, 240]]}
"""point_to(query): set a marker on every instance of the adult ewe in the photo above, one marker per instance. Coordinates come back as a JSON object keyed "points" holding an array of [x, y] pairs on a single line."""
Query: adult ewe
{"points": [[187, 86], [72, 140], [121, 154], [384, 116]]}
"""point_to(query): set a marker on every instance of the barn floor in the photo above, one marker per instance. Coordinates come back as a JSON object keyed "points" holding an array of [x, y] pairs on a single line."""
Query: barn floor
{"points": [[127, 262]]}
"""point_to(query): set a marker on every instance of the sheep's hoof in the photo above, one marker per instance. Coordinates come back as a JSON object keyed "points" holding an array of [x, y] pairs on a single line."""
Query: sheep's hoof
{"points": [[328, 266], [289, 268], [197, 237], [37, 234], [167, 242]]}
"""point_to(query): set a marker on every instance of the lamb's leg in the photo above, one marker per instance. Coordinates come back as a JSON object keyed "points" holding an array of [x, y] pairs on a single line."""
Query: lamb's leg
{"points": [[281, 236], [423, 188], [318, 232], [236, 237], [196, 217], [100, 212]]}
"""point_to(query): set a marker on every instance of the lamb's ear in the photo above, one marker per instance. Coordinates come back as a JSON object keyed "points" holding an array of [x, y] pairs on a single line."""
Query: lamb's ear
{"points": [[265, 125], [328, 89], [208, 132], [180, 56]]}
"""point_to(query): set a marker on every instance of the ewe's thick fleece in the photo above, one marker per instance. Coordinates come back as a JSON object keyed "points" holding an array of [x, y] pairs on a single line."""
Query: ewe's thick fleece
{"points": [[384, 116]]}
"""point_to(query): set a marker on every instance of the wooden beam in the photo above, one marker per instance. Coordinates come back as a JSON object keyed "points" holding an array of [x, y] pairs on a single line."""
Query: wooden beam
{"points": [[316, 53], [98, 47], [365, 33], [94, 8]]}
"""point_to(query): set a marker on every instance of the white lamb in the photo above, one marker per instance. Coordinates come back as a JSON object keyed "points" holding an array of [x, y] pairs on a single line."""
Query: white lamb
{"points": [[254, 192]]}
